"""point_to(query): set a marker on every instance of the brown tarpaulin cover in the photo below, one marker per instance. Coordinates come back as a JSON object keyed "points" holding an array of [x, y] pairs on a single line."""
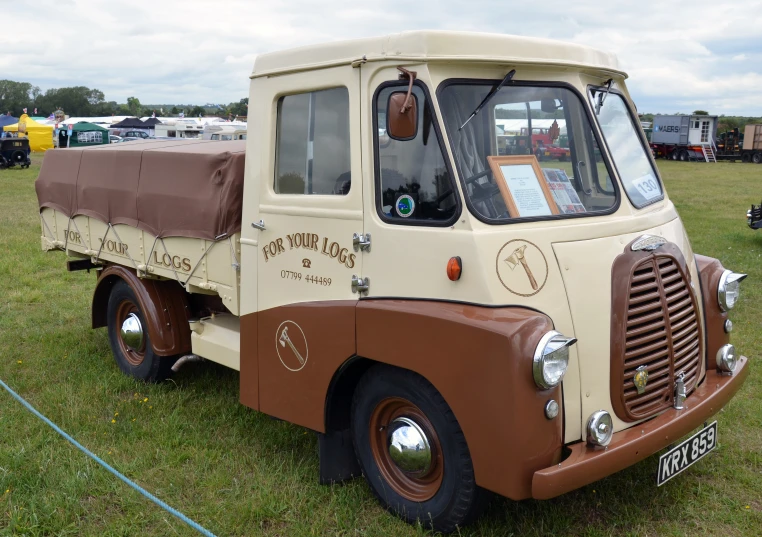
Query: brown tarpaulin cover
{"points": [[166, 188]]}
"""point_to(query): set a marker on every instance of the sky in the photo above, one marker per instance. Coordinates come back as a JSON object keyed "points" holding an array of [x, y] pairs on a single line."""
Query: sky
{"points": [[679, 56]]}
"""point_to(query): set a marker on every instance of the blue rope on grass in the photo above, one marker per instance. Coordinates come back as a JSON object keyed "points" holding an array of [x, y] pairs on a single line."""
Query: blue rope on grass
{"points": [[97, 459]]}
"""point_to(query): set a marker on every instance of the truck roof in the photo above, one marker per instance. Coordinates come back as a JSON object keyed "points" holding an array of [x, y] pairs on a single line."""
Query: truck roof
{"points": [[436, 45]]}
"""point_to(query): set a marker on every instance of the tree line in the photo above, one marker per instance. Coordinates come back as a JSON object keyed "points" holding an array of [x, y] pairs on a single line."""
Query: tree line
{"points": [[81, 101]]}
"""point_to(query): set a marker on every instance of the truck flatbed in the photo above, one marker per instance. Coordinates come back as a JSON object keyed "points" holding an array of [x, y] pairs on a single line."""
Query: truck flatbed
{"points": [[141, 206]]}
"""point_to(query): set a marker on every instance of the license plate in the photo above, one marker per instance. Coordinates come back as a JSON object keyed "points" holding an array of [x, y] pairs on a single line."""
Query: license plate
{"points": [[686, 453]]}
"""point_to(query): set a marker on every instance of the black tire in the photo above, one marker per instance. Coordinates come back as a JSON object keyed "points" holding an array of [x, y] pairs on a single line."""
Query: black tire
{"points": [[141, 362], [746, 158], [18, 158], [448, 495], [756, 158], [683, 156], [674, 154]]}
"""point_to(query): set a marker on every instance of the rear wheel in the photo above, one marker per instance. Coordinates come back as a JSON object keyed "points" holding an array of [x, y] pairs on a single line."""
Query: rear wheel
{"points": [[683, 156], [412, 450], [746, 158], [674, 154], [756, 158], [129, 339]]}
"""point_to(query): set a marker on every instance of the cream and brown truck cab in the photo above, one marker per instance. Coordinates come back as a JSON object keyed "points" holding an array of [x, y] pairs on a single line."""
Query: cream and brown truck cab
{"points": [[388, 264]]}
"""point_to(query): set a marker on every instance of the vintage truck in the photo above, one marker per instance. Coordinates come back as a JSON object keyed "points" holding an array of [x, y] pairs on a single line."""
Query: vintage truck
{"points": [[450, 321]]}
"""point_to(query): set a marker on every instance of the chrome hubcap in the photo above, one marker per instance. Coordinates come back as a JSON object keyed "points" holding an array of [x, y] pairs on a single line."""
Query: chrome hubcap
{"points": [[132, 332], [409, 447]]}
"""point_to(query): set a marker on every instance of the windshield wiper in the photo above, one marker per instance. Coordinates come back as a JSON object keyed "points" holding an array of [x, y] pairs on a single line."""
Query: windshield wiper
{"points": [[602, 96], [489, 96]]}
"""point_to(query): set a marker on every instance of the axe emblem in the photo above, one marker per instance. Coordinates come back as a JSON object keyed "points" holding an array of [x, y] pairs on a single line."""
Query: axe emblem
{"points": [[285, 340], [517, 258]]}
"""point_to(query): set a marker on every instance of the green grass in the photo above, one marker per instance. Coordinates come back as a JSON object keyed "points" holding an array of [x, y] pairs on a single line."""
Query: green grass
{"points": [[238, 472]]}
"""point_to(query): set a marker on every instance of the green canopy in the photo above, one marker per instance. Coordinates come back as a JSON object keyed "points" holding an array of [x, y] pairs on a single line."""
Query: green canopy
{"points": [[84, 134]]}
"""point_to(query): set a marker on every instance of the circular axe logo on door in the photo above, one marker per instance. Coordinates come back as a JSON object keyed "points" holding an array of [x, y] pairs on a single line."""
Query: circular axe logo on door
{"points": [[291, 345], [521, 267]]}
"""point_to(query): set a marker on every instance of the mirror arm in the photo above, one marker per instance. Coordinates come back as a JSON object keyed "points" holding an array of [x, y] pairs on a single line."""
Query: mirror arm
{"points": [[411, 76]]}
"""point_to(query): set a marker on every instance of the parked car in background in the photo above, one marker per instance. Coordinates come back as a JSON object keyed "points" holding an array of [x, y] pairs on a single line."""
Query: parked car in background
{"points": [[130, 138], [136, 134], [114, 139]]}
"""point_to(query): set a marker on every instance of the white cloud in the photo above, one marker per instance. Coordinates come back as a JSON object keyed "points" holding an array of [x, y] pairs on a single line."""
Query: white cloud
{"points": [[196, 51]]}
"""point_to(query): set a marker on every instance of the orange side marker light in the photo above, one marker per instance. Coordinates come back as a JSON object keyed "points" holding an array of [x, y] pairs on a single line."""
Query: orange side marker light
{"points": [[454, 268]]}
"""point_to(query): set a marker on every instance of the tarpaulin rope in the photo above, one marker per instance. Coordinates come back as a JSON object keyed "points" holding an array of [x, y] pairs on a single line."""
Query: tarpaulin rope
{"points": [[103, 463]]}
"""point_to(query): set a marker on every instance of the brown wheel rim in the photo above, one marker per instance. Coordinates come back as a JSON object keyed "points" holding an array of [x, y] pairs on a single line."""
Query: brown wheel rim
{"points": [[134, 356], [416, 488]]}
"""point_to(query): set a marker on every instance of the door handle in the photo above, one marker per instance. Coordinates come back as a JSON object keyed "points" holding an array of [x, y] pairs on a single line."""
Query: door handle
{"points": [[360, 285]]}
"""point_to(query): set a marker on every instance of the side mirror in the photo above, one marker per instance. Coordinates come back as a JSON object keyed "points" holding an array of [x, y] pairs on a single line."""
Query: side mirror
{"points": [[402, 116]]}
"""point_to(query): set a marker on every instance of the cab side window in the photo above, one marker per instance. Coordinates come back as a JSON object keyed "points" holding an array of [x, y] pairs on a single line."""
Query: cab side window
{"points": [[414, 185], [312, 149]]}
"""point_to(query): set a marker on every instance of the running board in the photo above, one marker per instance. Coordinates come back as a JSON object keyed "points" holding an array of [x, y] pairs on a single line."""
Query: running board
{"points": [[218, 339]]}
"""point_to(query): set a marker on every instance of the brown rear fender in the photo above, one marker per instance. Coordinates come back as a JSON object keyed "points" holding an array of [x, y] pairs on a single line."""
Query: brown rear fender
{"points": [[164, 304], [480, 360]]}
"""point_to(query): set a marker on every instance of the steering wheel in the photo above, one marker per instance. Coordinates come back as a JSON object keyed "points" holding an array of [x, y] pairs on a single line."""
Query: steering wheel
{"points": [[443, 196], [478, 176], [484, 193]]}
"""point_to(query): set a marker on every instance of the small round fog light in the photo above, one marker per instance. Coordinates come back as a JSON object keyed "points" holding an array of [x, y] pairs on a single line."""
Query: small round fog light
{"points": [[600, 428], [726, 358], [551, 409], [728, 326]]}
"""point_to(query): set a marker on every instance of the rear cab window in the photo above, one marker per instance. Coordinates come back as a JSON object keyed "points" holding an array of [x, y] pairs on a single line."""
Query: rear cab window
{"points": [[313, 144]]}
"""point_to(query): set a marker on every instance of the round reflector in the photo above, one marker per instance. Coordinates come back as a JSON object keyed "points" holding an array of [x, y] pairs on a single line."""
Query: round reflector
{"points": [[454, 268]]}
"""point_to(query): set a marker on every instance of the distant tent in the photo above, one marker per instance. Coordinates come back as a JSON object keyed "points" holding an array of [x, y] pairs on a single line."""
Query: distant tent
{"points": [[84, 134], [40, 136], [152, 121], [8, 120], [130, 123]]}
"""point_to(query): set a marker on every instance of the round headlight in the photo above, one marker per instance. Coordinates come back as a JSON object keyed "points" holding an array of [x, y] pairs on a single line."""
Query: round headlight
{"points": [[600, 428], [726, 358], [729, 289], [551, 359]]}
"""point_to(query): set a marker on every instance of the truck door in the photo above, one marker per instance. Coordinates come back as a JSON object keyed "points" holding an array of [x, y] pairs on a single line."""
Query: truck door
{"points": [[412, 211], [310, 206]]}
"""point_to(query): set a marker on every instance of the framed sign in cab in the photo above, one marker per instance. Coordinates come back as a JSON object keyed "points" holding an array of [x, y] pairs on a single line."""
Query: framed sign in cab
{"points": [[523, 186]]}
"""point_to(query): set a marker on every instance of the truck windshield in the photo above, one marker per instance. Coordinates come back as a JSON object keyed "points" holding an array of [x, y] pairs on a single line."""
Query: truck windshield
{"points": [[627, 150], [533, 155]]}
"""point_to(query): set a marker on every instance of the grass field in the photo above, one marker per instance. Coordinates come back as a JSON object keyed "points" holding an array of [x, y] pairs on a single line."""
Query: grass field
{"points": [[238, 472]]}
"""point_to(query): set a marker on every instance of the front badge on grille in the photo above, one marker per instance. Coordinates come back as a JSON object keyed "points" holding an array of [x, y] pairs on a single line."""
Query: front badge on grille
{"points": [[641, 379], [648, 242]]}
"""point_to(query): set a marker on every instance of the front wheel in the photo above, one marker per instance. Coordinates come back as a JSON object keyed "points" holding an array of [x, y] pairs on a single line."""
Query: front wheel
{"points": [[129, 339], [756, 158], [412, 450]]}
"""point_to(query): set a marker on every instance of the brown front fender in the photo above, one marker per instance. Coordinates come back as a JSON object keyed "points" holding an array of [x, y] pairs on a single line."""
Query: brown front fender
{"points": [[163, 303], [480, 360]]}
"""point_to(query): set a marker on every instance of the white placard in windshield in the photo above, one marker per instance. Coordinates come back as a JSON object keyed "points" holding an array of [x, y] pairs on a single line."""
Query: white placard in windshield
{"points": [[647, 186], [526, 190]]}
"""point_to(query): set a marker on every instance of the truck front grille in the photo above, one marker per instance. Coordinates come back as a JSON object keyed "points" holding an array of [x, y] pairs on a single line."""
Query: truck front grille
{"points": [[657, 327]]}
